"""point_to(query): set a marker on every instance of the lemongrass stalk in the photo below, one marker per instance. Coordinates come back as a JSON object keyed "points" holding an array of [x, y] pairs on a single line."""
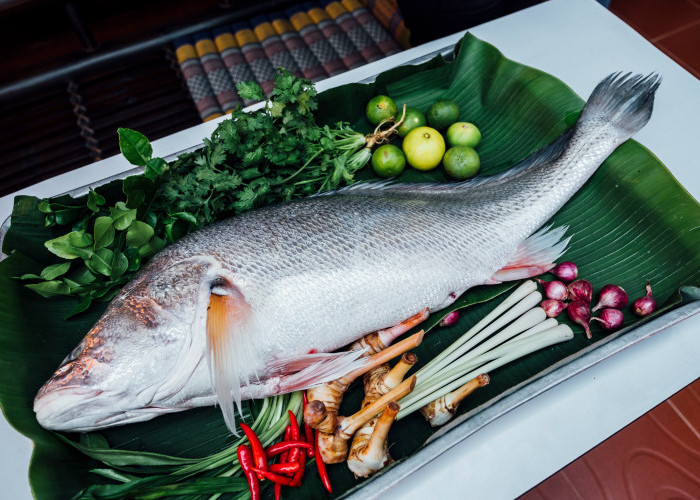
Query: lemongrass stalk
{"points": [[504, 315], [545, 325], [527, 320], [469, 363], [518, 349]]}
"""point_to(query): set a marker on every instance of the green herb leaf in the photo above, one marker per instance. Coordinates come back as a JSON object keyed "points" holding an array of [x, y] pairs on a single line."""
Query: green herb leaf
{"points": [[54, 271], [101, 261], [50, 288], [249, 91], [94, 201], [139, 234], [122, 216], [137, 189], [134, 146], [104, 232], [65, 247], [119, 265], [155, 167]]}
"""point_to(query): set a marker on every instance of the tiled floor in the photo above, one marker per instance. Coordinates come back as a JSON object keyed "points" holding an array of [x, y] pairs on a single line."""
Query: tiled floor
{"points": [[658, 455], [672, 25]]}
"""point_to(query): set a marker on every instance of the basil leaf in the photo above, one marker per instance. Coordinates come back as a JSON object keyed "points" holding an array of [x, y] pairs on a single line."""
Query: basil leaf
{"points": [[134, 146], [80, 239], [52, 272], [104, 232], [139, 234]]}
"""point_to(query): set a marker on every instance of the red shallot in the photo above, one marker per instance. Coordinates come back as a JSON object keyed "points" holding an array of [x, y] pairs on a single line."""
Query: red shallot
{"points": [[612, 296], [611, 319], [580, 290], [579, 312], [553, 308], [555, 290], [566, 271], [450, 319], [645, 305]]}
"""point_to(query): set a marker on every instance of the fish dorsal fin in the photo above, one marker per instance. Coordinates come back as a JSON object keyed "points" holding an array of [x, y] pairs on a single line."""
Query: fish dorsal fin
{"points": [[545, 155], [229, 348]]}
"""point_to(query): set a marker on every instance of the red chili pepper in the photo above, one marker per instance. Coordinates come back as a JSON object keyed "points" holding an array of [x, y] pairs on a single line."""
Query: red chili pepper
{"points": [[298, 475], [287, 437], [322, 467], [294, 453], [304, 401], [275, 478], [285, 468], [309, 439], [245, 458], [278, 491], [259, 455], [278, 448]]}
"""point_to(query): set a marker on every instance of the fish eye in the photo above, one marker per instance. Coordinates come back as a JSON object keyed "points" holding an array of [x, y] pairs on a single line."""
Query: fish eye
{"points": [[73, 354], [218, 286]]}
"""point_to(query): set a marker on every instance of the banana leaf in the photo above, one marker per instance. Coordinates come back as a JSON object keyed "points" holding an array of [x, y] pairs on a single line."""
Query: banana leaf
{"points": [[632, 222]]}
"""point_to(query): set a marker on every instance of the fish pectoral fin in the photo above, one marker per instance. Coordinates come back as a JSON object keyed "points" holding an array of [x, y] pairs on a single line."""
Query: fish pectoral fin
{"points": [[307, 370], [534, 256], [229, 350]]}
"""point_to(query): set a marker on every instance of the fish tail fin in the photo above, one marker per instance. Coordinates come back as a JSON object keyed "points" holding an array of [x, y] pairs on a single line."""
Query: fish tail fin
{"points": [[226, 314], [622, 100]]}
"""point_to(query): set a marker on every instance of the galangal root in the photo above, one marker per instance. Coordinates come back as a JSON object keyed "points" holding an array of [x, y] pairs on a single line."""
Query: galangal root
{"points": [[441, 411], [369, 451], [324, 401], [333, 447]]}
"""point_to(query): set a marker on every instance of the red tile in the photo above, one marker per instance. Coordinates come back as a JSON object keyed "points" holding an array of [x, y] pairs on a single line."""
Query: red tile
{"points": [[684, 47], [654, 18], [655, 457]]}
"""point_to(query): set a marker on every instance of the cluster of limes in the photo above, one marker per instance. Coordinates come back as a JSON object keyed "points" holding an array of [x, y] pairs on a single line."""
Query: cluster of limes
{"points": [[423, 145]]}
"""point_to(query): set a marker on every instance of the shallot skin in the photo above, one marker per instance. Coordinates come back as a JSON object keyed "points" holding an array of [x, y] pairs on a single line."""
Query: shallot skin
{"points": [[553, 308], [566, 271], [612, 296], [450, 319], [580, 313], [555, 290], [581, 290], [646, 305], [611, 319]]}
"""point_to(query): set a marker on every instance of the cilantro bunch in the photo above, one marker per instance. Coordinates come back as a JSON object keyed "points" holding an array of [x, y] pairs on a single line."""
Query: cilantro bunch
{"points": [[273, 154]]}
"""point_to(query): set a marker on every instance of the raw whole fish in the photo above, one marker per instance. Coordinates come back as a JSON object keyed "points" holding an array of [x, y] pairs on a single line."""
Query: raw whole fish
{"points": [[255, 305]]}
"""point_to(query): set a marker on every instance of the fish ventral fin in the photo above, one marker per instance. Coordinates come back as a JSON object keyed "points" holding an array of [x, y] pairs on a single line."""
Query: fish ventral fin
{"points": [[229, 349], [307, 370], [536, 255]]}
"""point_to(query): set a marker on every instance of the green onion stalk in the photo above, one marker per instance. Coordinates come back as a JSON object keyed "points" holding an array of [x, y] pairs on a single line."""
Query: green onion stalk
{"points": [[212, 475]]}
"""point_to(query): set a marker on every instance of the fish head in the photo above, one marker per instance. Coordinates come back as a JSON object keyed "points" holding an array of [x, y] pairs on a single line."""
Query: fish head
{"points": [[138, 357]]}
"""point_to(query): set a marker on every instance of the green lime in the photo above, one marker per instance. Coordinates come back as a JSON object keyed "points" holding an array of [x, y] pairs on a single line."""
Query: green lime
{"points": [[424, 147], [388, 161], [380, 108], [461, 162], [414, 118], [442, 114], [463, 134]]}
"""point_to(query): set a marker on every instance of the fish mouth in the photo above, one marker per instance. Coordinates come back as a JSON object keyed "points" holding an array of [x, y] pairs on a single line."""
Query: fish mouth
{"points": [[83, 409]]}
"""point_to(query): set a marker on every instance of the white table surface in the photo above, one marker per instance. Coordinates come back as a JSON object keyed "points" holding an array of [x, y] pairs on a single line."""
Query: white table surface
{"points": [[579, 42]]}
